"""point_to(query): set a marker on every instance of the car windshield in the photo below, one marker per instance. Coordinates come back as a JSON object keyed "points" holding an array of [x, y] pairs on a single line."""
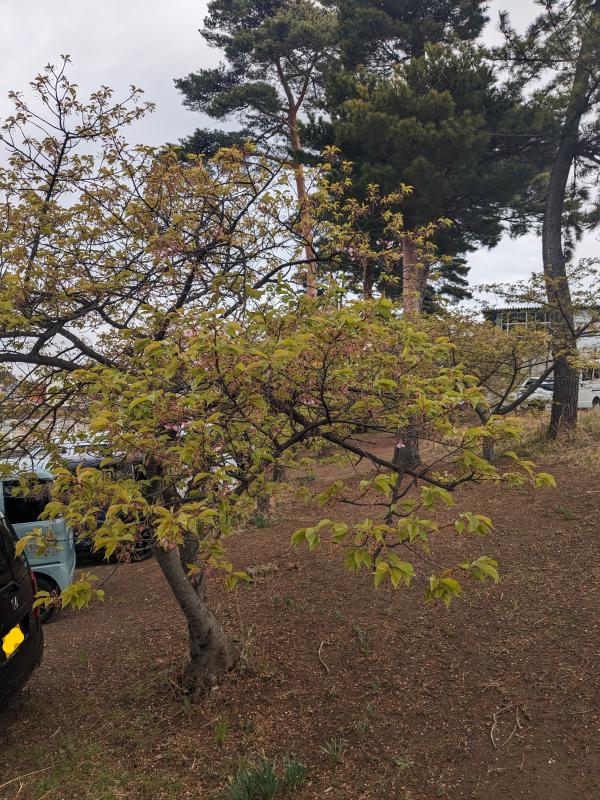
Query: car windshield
{"points": [[548, 385]]}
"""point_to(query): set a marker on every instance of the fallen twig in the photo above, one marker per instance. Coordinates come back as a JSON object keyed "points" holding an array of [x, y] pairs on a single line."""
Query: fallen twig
{"points": [[27, 775], [320, 657], [518, 726]]}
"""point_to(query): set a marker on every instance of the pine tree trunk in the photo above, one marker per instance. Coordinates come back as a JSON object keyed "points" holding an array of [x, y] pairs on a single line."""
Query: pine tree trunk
{"points": [[564, 343], [411, 296], [303, 203], [407, 448]]}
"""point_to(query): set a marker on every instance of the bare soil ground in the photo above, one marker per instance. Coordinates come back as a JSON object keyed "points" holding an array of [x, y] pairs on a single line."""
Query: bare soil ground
{"points": [[499, 697]]}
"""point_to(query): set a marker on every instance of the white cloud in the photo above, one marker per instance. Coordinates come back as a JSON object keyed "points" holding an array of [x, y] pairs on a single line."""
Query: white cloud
{"points": [[117, 43]]}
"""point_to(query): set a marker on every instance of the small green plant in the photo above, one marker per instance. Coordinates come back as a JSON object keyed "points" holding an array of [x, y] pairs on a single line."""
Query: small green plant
{"points": [[294, 772], [362, 634], [261, 782], [403, 762], [266, 780], [335, 749], [254, 783], [243, 786], [260, 521], [566, 513], [220, 732], [375, 685]]}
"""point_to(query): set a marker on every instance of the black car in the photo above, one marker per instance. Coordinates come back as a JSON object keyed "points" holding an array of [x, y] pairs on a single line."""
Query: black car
{"points": [[141, 548], [21, 639]]}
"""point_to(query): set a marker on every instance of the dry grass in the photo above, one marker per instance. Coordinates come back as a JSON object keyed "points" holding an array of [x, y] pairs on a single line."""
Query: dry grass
{"points": [[580, 447]]}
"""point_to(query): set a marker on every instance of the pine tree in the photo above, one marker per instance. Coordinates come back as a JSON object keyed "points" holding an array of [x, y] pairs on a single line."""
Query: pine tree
{"points": [[274, 55], [378, 33], [558, 62], [442, 123]]}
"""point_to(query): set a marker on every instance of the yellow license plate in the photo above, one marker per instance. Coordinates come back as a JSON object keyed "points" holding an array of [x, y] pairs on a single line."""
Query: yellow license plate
{"points": [[12, 640]]}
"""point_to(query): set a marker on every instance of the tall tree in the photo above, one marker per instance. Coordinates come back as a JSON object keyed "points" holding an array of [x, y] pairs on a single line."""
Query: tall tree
{"points": [[379, 33], [561, 49], [274, 54], [442, 123]]}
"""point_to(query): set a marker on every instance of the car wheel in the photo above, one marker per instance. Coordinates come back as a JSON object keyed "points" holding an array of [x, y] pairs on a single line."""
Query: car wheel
{"points": [[596, 404], [46, 585]]}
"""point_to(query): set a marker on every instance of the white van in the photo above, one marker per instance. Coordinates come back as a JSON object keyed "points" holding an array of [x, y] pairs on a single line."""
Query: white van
{"points": [[589, 389]]}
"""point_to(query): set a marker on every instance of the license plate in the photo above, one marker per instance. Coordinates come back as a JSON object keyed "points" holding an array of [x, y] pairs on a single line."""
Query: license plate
{"points": [[12, 640]]}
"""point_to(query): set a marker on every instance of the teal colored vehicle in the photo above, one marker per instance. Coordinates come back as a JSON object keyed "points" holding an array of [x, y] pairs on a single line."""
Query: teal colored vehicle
{"points": [[54, 564]]}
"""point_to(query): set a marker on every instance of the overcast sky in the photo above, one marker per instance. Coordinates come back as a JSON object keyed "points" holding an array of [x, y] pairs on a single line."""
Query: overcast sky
{"points": [[151, 42]]}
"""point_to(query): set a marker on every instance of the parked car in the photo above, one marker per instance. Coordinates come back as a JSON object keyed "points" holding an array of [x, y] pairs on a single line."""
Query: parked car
{"points": [[21, 639], [53, 565], [588, 394], [542, 396]]}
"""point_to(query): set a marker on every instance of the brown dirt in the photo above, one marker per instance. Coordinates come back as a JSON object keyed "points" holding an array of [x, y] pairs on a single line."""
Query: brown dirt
{"points": [[496, 698]]}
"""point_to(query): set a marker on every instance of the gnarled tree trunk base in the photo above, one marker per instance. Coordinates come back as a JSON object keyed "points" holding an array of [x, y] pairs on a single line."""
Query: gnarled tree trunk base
{"points": [[212, 654], [205, 670]]}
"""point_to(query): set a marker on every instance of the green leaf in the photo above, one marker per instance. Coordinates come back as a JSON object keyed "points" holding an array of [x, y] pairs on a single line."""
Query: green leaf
{"points": [[381, 570], [339, 532], [482, 568], [22, 543], [383, 483], [298, 537], [545, 479], [152, 348]]}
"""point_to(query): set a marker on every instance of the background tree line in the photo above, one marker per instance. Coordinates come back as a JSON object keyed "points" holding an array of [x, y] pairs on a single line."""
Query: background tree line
{"points": [[492, 140]]}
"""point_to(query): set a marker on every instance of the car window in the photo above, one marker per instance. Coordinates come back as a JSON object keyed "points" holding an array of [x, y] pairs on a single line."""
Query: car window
{"points": [[11, 567], [25, 509]]}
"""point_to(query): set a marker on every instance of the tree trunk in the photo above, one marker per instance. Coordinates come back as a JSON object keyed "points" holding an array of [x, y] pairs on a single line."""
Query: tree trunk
{"points": [[407, 448], [211, 652], [488, 442], [564, 343], [487, 448], [367, 281], [414, 278], [303, 203]]}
